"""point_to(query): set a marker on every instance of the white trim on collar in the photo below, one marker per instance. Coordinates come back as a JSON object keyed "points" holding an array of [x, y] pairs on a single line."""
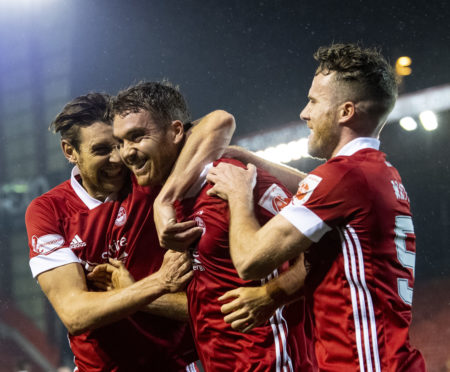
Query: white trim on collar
{"points": [[88, 200], [359, 144]]}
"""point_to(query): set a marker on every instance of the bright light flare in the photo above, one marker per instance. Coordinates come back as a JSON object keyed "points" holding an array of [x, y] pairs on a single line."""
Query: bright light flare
{"points": [[402, 66], [408, 123], [428, 120], [285, 153]]}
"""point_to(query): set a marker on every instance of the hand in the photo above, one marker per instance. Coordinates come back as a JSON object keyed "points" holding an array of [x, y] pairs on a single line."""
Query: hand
{"points": [[173, 235], [112, 275], [251, 307], [175, 271], [230, 180]]}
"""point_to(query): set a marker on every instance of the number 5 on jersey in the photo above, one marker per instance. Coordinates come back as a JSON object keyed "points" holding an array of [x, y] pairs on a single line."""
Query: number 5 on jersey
{"points": [[403, 226]]}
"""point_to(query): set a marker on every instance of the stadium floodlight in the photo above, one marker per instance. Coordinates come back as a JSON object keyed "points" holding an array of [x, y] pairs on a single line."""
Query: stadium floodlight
{"points": [[428, 120], [285, 153], [408, 123], [402, 66]]}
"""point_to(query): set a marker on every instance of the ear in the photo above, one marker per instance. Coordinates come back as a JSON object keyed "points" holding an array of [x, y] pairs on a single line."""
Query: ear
{"points": [[177, 131], [346, 112], [69, 151]]}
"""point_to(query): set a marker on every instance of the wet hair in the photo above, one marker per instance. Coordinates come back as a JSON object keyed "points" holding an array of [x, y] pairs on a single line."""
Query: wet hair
{"points": [[82, 111], [161, 99], [361, 74]]}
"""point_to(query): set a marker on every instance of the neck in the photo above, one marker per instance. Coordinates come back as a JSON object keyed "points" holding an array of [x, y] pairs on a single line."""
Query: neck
{"points": [[92, 192], [348, 135]]}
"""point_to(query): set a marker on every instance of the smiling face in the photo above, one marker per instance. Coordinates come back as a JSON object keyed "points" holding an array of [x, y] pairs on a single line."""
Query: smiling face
{"points": [[149, 150], [321, 116], [101, 169]]}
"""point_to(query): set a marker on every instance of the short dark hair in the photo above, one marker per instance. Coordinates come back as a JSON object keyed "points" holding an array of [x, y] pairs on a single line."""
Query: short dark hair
{"points": [[365, 72], [161, 99], [82, 111]]}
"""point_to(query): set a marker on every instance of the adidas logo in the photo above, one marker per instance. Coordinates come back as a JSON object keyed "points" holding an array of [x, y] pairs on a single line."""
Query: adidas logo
{"points": [[77, 242]]}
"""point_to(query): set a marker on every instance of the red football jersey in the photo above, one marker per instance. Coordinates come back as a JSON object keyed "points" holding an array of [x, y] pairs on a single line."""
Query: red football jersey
{"points": [[356, 210], [266, 348], [66, 225]]}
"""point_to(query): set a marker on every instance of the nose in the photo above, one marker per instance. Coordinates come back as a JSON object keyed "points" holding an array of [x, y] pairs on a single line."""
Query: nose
{"points": [[304, 114], [115, 156], [127, 153]]}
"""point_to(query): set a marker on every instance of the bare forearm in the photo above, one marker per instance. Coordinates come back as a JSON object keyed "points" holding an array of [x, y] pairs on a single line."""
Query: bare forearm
{"points": [[287, 287], [243, 231], [170, 305], [84, 310], [255, 250], [288, 176], [207, 141]]}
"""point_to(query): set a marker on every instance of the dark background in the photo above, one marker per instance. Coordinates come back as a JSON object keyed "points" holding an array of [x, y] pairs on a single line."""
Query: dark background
{"points": [[251, 58]]}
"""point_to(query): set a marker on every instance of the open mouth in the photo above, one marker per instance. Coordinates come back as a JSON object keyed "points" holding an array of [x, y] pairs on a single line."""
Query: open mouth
{"points": [[139, 168], [114, 173]]}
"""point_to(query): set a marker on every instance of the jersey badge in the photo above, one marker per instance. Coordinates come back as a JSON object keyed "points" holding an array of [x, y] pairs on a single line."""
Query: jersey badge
{"points": [[121, 217], [200, 222], [274, 199], [306, 188], [46, 244]]}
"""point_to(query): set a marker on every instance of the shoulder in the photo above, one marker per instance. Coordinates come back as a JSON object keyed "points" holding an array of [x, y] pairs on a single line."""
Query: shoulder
{"points": [[338, 171], [52, 199], [229, 161]]}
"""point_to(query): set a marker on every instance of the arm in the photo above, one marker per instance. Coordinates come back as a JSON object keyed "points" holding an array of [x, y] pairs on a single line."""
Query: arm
{"points": [[81, 310], [253, 306], [172, 306], [290, 177], [115, 276], [205, 143], [274, 243]]}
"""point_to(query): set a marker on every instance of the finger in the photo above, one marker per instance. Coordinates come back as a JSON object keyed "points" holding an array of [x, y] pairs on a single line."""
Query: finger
{"points": [[230, 294], [116, 263], [99, 268], [248, 328], [214, 191], [236, 315], [185, 267], [99, 285], [211, 176], [251, 167], [180, 226], [239, 324], [183, 280], [99, 276], [192, 234], [231, 306]]}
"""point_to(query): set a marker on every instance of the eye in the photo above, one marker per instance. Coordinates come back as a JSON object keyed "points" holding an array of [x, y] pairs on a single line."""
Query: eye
{"points": [[100, 151], [137, 139]]}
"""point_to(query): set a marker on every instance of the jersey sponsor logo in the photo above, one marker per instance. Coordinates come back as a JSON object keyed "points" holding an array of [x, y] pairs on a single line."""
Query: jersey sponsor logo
{"points": [[274, 199], [196, 263], [46, 244], [77, 242], [306, 188], [116, 250], [121, 217]]}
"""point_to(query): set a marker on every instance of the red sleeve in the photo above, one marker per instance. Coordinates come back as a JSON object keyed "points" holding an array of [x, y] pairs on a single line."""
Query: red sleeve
{"points": [[328, 197], [46, 240]]}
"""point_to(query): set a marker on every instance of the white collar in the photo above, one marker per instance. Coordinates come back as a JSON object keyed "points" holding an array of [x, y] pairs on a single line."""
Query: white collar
{"points": [[88, 200], [359, 144]]}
